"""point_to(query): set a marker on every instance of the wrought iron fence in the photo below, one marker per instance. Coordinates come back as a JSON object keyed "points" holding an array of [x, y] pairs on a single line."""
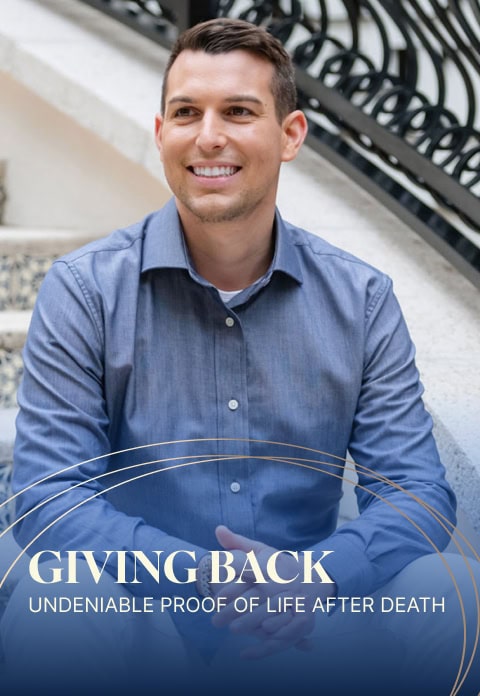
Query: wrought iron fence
{"points": [[390, 88]]}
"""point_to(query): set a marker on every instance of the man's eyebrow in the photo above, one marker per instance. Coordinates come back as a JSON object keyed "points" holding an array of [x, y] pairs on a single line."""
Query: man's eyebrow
{"points": [[181, 98], [243, 98], [230, 100]]}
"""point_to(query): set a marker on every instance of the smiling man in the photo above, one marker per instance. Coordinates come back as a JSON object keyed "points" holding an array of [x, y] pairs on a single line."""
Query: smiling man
{"points": [[221, 146], [193, 384]]}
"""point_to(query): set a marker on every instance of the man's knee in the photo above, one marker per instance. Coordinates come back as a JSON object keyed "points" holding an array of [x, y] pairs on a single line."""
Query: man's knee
{"points": [[84, 631], [447, 575], [435, 603]]}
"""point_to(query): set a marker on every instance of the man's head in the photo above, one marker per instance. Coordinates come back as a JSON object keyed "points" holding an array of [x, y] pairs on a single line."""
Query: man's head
{"points": [[225, 35], [223, 133]]}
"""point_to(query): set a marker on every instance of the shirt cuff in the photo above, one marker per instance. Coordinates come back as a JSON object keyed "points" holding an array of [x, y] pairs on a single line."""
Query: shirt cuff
{"points": [[347, 565]]}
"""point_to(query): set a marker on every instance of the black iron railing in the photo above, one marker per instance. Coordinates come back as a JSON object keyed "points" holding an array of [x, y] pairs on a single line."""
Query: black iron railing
{"points": [[160, 21], [390, 88]]}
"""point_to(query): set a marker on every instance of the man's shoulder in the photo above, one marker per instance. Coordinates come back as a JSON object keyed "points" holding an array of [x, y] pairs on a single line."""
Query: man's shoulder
{"points": [[125, 240]]}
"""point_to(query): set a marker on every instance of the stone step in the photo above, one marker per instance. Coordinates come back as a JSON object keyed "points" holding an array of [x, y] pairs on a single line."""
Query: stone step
{"points": [[25, 257], [11, 369], [13, 329], [7, 434], [53, 242]]}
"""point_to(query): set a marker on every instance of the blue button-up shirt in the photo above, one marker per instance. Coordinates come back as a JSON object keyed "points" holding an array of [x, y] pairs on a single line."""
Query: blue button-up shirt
{"points": [[257, 403]]}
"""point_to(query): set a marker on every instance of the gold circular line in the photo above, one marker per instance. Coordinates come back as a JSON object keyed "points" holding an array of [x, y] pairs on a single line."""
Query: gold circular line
{"points": [[435, 514], [356, 467], [372, 474], [164, 443]]}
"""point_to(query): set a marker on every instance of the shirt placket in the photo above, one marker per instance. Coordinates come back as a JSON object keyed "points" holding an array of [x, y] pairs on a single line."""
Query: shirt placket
{"points": [[232, 419]]}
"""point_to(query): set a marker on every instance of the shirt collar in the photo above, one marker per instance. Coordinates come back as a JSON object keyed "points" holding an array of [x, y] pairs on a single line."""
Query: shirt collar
{"points": [[164, 245]]}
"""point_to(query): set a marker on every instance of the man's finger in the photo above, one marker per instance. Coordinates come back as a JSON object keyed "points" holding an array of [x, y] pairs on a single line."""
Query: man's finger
{"points": [[231, 540]]}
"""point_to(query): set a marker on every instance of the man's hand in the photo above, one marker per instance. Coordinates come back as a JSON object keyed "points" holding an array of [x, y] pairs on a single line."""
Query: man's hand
{"points": [[281, 627]]}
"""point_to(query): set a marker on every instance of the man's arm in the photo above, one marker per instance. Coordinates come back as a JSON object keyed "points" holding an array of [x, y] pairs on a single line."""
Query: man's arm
{"points": [[64, 421], [407, 509]]}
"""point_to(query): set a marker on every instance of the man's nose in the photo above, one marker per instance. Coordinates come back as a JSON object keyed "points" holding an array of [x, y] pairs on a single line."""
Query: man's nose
{"points": [[211, 134]]}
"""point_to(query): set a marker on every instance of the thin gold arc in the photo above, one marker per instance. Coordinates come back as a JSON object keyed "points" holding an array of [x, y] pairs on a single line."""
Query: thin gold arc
{"points": [[373, 475], [356, 467], [286, 462], [438, 516], [428, 508]]}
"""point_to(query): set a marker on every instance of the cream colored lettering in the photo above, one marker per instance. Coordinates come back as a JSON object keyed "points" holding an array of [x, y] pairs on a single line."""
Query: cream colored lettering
{"points": [[272, 567], [252, 565], [153, 570], [95, 570], [229, 574], [309, 568], [169, 572], [50, 567], [34, 571]]}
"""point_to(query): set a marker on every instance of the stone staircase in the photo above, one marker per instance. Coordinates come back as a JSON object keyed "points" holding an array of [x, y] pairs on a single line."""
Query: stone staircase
{"points": [[25, 257]]}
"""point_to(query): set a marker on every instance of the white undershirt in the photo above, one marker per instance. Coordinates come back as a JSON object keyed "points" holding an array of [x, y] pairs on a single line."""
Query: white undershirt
{"points": [[228, 295]]}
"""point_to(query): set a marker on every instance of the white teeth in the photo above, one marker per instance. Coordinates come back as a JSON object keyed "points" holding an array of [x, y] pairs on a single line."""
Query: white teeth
{"points": [[214, 171]]}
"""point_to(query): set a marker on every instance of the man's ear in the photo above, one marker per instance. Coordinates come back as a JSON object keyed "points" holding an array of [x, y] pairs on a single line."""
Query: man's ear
{"points": [[158, 133], [295, 129]]}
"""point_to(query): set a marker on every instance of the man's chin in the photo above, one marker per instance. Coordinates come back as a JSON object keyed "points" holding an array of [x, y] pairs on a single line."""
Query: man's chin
{"points": [[215, 211]]}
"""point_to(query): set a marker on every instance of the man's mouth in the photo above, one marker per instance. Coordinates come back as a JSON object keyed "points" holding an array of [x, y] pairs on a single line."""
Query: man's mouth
{"points": [[214, 171]]}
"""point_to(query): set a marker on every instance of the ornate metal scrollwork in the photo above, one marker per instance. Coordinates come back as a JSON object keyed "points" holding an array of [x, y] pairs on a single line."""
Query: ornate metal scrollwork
{"points": [[377, 56], [410, 69], [394, 82], [159, 20]]}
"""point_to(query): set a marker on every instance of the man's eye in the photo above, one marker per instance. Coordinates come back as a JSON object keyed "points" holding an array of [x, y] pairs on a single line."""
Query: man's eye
{"points": [[183, 112], [239, 111]]}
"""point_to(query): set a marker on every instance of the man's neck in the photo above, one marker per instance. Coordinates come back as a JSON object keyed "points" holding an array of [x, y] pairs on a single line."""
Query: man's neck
{"points": [[230, 255]]}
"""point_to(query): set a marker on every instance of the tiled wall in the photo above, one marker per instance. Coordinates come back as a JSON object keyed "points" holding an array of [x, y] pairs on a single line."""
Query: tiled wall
{"points": [[11, 368], [20, 278]]}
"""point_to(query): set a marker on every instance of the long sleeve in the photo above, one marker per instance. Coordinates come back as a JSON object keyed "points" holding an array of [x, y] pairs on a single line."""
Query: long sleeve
{"points": [[406, 507], [62, 445]]}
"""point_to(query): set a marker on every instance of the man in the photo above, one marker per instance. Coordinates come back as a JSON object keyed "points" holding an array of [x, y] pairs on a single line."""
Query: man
{"points": [[254, 355]]}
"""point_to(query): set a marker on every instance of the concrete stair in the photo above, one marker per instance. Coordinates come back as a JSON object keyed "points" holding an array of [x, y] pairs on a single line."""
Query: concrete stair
{"points": [[25, 257]]}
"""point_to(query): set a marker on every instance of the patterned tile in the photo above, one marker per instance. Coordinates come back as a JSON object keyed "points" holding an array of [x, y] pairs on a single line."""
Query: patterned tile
{"points": [[6, 511], [11, 368], [5, 281], [20, 279]]}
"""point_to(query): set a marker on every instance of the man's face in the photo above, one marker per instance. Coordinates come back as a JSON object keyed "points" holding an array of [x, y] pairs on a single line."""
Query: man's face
{"points": [[219, 139]]}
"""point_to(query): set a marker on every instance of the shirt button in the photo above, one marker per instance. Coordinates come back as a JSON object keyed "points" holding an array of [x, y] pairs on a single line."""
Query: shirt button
{"points": [[234, 486], [233, 404], [229, 322]]}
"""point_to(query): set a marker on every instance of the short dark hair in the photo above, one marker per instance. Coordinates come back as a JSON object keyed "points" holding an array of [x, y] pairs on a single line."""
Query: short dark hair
{"points": [[223, 35]]}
